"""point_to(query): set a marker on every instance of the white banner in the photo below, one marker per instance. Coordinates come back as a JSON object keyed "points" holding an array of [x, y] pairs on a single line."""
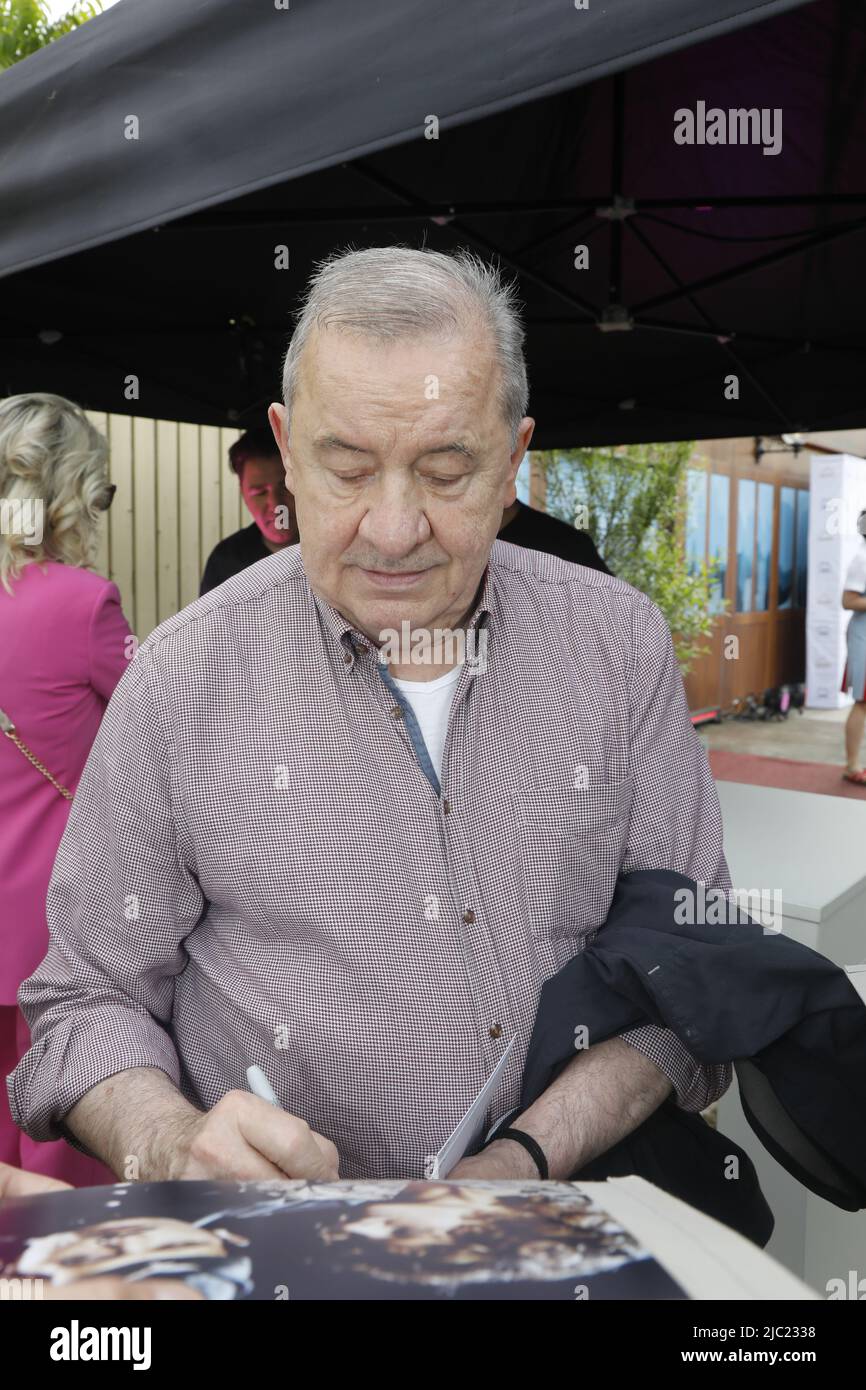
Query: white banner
{"points": [[837, 493]]}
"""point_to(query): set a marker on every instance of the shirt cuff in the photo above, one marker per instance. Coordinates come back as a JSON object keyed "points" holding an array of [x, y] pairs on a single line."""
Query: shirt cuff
{"points": [[74, 1057], [695, 1086]]}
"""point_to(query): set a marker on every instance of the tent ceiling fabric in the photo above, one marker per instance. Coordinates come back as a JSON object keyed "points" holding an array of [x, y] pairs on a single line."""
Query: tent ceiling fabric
{"points": [[304, 128]]}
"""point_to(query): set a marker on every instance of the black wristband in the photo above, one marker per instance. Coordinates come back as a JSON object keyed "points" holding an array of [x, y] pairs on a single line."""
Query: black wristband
{"points": [[532, 1147]]}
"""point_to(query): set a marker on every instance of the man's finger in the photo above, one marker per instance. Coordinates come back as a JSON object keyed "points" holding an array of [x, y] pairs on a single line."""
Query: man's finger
{"points": [[331, 1154], [284, 1139]]}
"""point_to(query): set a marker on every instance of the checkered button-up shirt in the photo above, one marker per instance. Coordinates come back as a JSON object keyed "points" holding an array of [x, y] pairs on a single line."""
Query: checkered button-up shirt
{"points": [[256, 869]]}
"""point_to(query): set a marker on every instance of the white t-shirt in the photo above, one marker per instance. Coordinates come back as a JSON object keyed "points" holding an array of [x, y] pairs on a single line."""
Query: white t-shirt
{"points": [[855, 577], [431, 703]]}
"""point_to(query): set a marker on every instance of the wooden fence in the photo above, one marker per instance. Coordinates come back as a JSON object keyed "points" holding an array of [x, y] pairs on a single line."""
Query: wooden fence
{"points": [[176, 497]]}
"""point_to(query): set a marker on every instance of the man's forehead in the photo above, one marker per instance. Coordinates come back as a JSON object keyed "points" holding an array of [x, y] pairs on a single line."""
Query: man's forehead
{"points": [[373, 402], [464, 360]]}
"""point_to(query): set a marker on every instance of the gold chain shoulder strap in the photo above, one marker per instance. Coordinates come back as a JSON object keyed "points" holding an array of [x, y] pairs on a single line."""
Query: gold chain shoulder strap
{"points": [[9, 730]]}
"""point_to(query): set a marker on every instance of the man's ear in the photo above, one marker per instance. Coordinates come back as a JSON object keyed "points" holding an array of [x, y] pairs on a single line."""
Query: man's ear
{"points": [[277, 420], [280, 427], [524, 435]]}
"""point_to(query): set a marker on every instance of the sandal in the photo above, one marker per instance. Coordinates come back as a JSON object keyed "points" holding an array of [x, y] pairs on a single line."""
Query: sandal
{"points": [[858, 778]]}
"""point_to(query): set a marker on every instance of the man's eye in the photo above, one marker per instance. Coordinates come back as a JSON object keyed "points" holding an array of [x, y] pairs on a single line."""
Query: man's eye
{"points": [[432, 479]]}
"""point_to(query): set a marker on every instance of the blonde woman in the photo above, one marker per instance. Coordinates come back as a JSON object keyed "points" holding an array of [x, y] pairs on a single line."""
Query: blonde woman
{"points": [[64, 644]]}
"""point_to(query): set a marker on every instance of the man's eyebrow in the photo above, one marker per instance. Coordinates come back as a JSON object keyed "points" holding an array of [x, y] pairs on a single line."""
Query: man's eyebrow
{"points": [[457, 446]]}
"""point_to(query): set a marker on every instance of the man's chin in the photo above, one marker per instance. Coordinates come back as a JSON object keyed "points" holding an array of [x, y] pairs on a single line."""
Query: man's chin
{"points": [[380, 619]]}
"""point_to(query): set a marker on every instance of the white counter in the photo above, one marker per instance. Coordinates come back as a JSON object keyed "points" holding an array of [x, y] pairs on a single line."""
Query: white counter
{"points": [[813, 849]]}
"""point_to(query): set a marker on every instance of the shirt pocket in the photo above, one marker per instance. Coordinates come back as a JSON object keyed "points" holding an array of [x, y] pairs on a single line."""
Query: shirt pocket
{"points": [[570, 846]]}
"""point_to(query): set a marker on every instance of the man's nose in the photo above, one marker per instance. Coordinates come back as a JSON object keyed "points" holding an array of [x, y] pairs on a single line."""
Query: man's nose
{"points": [[394, 522]]}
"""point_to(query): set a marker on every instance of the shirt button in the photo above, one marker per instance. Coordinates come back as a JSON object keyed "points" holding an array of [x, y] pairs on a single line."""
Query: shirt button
{"points": [[495, 1031], [446, 806], [347, 657], [469, 916], [397, 712]]}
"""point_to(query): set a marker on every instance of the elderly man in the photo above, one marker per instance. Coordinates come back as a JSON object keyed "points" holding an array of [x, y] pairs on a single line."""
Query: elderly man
{"points": [[313, 838]]}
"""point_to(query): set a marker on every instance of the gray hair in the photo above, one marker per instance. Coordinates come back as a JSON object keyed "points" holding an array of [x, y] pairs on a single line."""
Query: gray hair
{"points": [[393, 292]]}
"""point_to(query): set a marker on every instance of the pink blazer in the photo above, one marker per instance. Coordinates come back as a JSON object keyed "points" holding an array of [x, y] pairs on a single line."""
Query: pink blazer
{"points": [[62, 636]]}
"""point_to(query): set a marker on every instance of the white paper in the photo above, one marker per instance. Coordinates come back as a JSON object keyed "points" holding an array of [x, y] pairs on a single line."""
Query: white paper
{"points": [[470, 1126], [709, 1260]]}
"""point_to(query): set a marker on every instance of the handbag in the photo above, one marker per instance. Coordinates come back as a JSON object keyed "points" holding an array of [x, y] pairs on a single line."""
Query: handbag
{"points": [[10, 731]]}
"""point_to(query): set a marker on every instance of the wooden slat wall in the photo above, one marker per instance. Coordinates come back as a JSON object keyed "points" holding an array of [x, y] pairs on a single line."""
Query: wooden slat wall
{"points": [[176, 497]]}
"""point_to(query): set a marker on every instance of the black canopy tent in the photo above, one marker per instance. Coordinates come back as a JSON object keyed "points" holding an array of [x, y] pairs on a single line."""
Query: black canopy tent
{"points": [[306, 129]]}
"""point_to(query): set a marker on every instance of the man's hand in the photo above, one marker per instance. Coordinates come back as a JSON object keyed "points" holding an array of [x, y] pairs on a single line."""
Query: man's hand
{"points": [[245, 1137], [504, 1160], [138, 1123]]}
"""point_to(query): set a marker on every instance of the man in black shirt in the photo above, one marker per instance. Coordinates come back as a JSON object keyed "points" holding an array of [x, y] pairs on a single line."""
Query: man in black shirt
{"points": [[523, 525], [256, 460]]}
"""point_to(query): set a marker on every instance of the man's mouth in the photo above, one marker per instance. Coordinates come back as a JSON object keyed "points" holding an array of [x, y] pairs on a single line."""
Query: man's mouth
{"points": [[390, 579]]}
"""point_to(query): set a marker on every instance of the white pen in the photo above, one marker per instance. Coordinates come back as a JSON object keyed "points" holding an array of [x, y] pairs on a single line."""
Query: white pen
{"points": [[261, 1086]]}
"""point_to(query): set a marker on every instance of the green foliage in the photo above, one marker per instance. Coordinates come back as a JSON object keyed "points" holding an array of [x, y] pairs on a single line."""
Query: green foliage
{"points": [[632, 500], [26, 26]]}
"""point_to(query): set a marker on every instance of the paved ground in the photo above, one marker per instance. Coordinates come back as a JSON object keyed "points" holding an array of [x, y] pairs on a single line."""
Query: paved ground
{"points": [[816, 735]]}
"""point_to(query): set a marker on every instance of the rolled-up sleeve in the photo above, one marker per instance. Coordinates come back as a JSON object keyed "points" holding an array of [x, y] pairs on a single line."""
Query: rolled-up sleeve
{"points": [[122, 898], [676, 822]]}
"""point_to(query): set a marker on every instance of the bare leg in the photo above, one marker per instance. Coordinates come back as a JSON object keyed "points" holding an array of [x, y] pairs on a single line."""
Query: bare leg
{"points": [[854, 734]]}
